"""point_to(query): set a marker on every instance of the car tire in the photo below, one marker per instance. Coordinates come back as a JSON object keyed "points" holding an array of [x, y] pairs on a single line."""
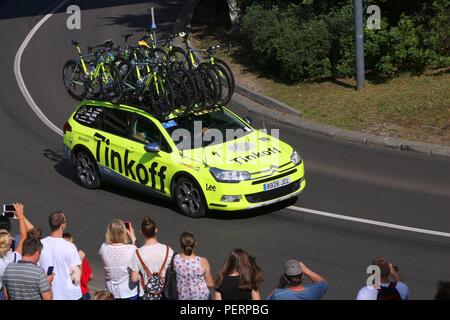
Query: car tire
{"points": [[189, 198], [86, 170]]}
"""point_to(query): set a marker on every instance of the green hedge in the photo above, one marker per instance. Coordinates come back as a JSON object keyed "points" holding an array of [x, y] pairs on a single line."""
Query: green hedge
{"points": [[302, 40]]}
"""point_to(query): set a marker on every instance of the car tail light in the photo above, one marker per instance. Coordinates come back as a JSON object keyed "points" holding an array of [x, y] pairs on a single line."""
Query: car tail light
{"points": [[67, 127]]}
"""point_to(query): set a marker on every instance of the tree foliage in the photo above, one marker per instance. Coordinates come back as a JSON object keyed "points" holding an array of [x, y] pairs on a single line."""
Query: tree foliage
{"points": [[312, 39]]}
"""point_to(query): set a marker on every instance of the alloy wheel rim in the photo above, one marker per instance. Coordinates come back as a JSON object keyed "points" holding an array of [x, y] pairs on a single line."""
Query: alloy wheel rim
{"points": [[188, 197], [86, 171]]}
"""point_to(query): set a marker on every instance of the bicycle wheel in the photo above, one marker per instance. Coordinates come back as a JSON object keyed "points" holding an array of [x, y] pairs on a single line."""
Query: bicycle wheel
{"points": [[161, 91], [111, 86], [178, 58], [181, 96], [128, 80], [223, 78], [201, 102], [74, 80], [212, 88], [153, 55], [188, 79], [227, 67]]}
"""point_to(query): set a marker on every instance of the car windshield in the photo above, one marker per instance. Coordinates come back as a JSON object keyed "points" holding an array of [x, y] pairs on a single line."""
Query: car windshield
{"points": [[206, 128]]}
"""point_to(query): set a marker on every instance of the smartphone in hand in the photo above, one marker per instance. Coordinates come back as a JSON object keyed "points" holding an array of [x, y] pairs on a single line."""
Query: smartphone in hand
{"points": [[127, 225], [9, 211], [50, 270]]}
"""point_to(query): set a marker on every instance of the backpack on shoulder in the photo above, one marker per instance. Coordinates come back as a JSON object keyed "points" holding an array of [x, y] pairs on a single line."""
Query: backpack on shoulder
{"points": [[389, 293], [154, 287]]}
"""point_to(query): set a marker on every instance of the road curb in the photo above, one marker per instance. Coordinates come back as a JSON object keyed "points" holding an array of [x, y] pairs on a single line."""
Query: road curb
{"points": [[266, 100], [283, 113]]}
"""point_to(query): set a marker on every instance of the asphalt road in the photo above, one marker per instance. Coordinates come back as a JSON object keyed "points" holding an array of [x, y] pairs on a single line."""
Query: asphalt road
{"points": [[344, 178]]}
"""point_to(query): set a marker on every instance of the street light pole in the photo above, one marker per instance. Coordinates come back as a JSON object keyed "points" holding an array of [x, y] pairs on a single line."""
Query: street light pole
{"points": [[359, 41]]}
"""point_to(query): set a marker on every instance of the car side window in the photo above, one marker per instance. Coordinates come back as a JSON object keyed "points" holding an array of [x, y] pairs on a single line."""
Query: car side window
{"points": [[115, 122], [145, 131], [89, 116]]}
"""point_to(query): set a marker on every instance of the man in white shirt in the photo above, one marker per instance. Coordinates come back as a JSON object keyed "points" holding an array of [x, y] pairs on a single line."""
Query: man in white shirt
{"points": [[390, 290], [63, 256]]}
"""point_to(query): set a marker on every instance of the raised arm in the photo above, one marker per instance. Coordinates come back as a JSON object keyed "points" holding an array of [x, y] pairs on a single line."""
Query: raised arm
{"points": [[311, 274], [20, 214]]}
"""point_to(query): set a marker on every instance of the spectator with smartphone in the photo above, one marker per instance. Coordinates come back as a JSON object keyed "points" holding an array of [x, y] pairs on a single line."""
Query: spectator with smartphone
{"points": [[63, 257], [25, 280], [239, 278], [5, 222], [193, 272], [291, 285], [389, 290], [116, 254], [152, 256], [86, 270], [7, 255]]}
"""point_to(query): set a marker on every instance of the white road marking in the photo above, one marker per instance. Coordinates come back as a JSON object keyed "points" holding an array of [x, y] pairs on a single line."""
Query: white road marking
{"points": [[21, 83], [57, 130], [371, 222]]}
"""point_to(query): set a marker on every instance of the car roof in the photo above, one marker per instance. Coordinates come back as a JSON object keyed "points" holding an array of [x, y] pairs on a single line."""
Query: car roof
{"points": [[138, 110]]}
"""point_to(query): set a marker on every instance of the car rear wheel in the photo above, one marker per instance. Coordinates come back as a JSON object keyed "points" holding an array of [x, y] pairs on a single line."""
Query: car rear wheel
{"points": [[87, 171], [189, 198]]}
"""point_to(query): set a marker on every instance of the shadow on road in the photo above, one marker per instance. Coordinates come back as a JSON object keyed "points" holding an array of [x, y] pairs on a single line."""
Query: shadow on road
{"points": [[251, 213], [10, 9], [140, 22]]}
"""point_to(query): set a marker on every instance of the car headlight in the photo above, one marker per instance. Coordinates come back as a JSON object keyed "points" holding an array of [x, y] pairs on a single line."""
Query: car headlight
{"points": [[229, 175], [295, 158]]}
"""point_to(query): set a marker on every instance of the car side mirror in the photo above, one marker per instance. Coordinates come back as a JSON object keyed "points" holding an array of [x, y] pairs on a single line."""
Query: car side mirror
{"points": [[248, 120], [152, 147]]}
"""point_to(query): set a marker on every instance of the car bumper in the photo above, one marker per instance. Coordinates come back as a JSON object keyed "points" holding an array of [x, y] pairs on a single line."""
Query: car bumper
{"points": [[253, 196], [68, 154]]}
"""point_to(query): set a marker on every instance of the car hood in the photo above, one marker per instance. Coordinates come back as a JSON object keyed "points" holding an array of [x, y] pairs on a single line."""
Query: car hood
{"points": [[254, 152]]}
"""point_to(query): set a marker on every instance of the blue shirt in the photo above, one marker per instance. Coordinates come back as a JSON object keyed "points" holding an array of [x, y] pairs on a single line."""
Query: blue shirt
{"points": [[313, 291]]}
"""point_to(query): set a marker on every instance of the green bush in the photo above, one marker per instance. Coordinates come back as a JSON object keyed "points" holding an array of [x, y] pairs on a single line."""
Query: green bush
{"points": [[312, 40], [279, 43], [408, 46]]}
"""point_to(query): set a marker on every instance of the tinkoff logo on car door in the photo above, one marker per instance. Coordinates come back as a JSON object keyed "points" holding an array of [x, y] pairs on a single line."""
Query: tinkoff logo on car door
{"points": [[121, 162]]}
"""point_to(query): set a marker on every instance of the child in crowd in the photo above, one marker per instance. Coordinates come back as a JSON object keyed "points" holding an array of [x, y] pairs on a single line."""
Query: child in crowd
{"points": [[86, 270]]}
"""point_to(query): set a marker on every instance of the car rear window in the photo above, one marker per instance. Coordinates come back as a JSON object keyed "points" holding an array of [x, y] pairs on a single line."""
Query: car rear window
{"points": [[89, 116]]}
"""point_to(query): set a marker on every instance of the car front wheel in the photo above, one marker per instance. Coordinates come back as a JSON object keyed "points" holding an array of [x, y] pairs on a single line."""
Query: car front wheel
{"points": [[189, 198]]}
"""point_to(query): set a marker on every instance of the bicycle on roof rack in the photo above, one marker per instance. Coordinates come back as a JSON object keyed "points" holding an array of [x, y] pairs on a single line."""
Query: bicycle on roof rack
{"points": [[166, 80], [221, 69], [93, 75]]}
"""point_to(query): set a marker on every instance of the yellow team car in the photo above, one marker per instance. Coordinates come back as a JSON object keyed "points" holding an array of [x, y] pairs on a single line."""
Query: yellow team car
{"points": [[207, 160]]}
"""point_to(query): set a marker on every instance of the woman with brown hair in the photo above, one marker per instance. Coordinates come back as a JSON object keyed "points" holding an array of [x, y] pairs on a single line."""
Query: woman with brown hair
{"points": [[239, 278], [193, 272]]}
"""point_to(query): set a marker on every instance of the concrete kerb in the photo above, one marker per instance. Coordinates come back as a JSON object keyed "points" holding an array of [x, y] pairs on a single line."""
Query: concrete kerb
{"points": [[274, 109], [266, 100]]}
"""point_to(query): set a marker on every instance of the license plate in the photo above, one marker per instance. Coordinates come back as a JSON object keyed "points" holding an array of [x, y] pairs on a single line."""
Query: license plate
{"points": [[277, 184]]}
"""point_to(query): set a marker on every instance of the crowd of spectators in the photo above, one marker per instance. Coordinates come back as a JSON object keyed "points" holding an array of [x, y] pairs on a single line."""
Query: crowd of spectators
{"points": [[33, 267]]}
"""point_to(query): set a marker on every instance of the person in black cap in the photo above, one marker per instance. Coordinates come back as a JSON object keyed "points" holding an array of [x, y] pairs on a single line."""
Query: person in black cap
{"points": [[291, 283]]}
